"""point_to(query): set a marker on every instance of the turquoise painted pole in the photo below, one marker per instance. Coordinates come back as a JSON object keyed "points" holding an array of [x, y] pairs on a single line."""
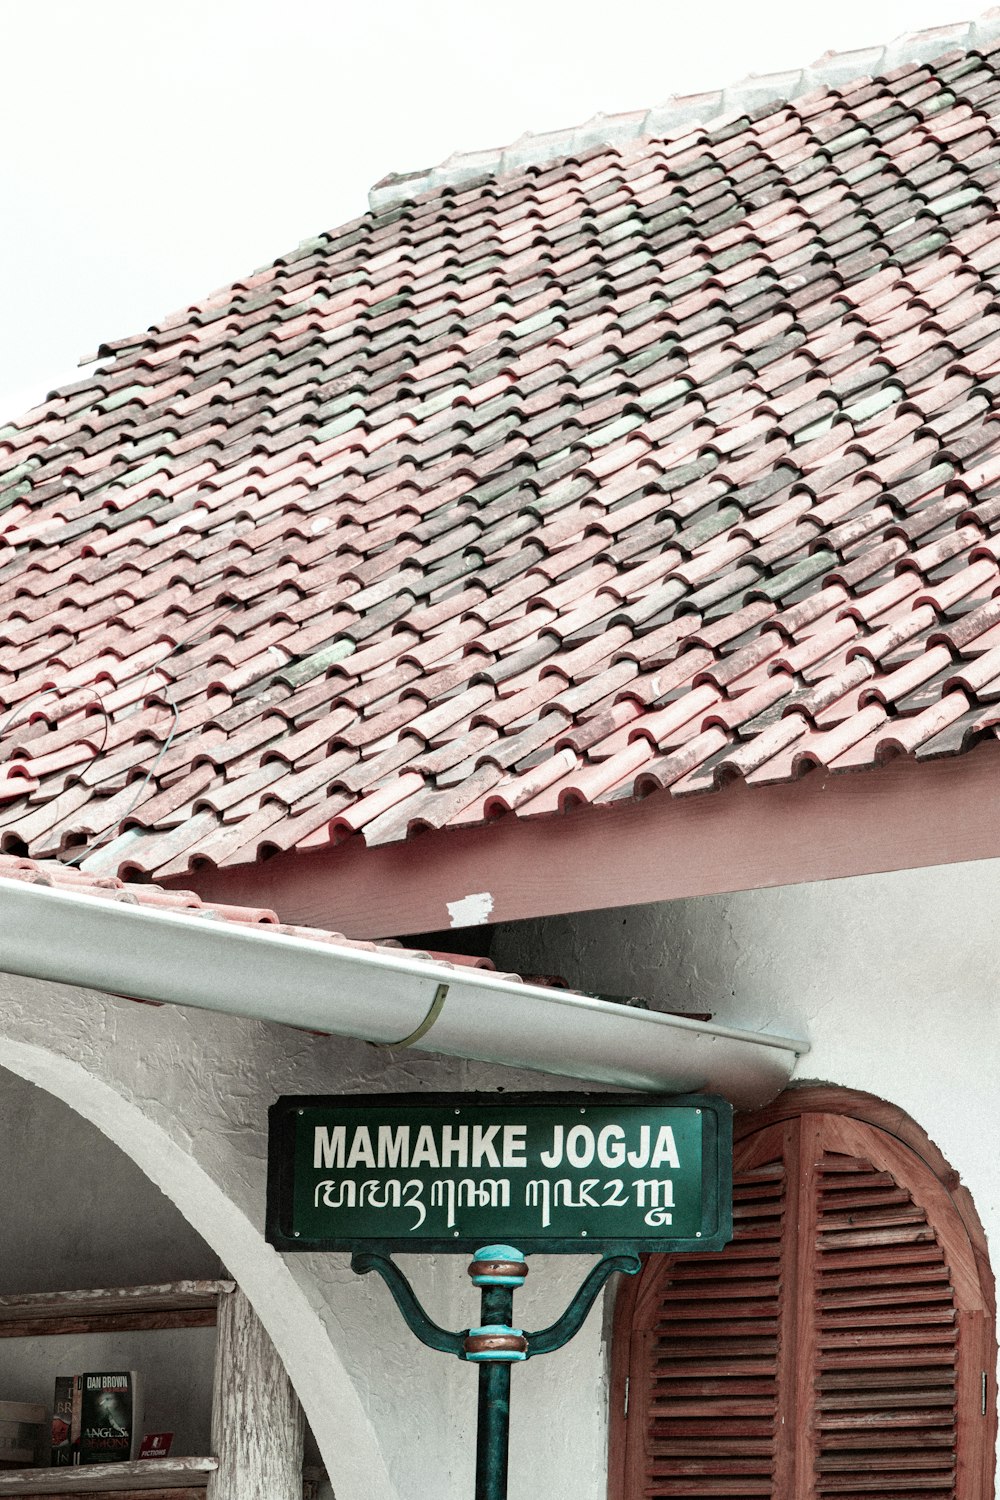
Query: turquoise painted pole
{"points": [[493, 1431], [495, 1346], [498, 1270]]}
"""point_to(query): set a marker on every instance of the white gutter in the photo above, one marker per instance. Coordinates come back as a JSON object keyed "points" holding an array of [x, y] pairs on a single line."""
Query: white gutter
{"points": [[379, 997]]}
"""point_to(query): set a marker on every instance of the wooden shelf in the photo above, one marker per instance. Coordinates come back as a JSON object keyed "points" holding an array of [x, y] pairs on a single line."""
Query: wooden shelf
{"points": [[251, 1461], [175, 1304], [179, 1476]]}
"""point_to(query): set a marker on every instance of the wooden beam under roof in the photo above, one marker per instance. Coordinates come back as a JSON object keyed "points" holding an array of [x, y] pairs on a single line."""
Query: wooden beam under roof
{"points": [[822, 827]]}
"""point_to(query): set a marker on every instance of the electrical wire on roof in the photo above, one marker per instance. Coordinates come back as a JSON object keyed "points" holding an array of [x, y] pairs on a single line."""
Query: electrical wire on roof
{"points": [[102, 837]]}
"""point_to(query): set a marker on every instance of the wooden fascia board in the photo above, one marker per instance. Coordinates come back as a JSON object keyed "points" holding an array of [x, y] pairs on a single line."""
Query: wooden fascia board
{"points": [[823, 827]]}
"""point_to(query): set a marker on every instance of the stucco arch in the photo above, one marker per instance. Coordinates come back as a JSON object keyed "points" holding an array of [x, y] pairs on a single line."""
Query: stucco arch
{"points": [[78, 1046]]}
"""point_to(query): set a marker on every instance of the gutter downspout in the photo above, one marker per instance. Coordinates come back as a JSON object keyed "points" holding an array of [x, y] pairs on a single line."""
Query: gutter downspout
{"points": [[381, 997]]}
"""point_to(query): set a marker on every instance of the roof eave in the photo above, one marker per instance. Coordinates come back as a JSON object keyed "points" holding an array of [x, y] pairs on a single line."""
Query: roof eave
{"points": [[822, 827], [387, 998]]}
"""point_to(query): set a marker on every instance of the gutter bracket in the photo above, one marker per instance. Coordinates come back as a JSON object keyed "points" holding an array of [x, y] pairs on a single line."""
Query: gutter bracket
{"points": [[436, 1007]]}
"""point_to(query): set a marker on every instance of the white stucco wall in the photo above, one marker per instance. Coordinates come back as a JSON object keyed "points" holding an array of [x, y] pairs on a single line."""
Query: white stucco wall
{"points": [[54, 1170], [185, 1094], [892, 977]]}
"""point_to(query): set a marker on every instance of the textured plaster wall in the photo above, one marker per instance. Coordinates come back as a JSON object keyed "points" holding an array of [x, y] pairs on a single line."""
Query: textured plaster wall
{"points": [[893, 978], [185, 1094], [55, 1169]]}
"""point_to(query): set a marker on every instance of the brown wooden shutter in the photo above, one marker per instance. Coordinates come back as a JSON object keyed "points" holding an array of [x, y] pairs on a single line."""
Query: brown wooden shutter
{"points": [[835, 1350], [887, 1339]]}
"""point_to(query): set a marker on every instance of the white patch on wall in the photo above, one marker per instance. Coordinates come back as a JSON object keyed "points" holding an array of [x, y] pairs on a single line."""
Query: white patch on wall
{"points": [[471, 911]]}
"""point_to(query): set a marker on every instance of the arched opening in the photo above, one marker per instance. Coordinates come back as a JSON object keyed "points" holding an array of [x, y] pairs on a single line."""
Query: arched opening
{"points": [[79, 1214], [843, 1345], [347, 1442]]}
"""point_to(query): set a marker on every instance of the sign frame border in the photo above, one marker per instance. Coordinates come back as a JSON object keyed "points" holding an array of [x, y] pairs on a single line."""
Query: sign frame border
{"points": [[718, 1207]]}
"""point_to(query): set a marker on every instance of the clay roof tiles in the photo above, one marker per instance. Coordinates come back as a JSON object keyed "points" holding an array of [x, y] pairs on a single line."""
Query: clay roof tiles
{"points": [[658, 465], [57, 876]]}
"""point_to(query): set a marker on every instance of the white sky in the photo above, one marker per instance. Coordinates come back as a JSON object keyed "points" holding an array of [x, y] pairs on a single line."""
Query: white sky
{"points": [[155, 149]]}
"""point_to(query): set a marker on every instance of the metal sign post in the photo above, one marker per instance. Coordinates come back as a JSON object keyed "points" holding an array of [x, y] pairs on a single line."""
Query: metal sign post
{"points": [[495, 1344], [555, 1173]]}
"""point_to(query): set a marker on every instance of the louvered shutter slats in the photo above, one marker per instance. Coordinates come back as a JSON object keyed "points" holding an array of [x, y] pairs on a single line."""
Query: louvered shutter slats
{"points": [[844, 1389], [714, 1361], [922, 1310], [708, 1488], [818, 1356], [923, 1287], [873, 1417], [924, 1254], [894, 1357]]}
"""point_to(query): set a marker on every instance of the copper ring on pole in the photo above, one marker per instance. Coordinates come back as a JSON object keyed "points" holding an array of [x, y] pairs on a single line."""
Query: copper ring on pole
{"points": [[507, 1268], [502, 1345]]}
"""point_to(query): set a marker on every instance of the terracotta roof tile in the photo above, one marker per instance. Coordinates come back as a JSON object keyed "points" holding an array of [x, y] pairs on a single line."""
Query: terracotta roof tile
{"points": [[61, 877], [637, 471]]}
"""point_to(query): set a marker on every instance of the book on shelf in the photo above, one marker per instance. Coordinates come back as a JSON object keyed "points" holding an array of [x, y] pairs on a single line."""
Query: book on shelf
{"points": [[105, 1421], [156, 1445], [61, 1453], [21, 1426]]}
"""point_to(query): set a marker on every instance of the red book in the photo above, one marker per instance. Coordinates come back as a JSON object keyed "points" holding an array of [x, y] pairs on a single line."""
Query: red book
{"points": [[62, 1422], [156, 1445]]}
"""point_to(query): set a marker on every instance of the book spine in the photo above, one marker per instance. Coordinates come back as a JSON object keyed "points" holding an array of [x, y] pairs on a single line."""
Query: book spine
{"points": [[75, 1417], [62, 1422], [138, 1413]]}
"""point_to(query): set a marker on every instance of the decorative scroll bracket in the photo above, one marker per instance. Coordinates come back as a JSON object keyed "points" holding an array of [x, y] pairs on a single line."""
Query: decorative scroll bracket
{"points": [[495, 1345]]}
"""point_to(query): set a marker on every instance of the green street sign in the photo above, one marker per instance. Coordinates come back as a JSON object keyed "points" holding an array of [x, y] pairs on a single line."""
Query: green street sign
{"points": [[555, 1172]]}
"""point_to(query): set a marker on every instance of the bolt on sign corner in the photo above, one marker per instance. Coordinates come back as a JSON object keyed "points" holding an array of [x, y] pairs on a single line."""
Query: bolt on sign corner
{"points": [[555, 1172]]}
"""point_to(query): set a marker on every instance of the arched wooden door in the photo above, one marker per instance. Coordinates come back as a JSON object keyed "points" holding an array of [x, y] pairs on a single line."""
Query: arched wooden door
{"points": [[841, 1348]]}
